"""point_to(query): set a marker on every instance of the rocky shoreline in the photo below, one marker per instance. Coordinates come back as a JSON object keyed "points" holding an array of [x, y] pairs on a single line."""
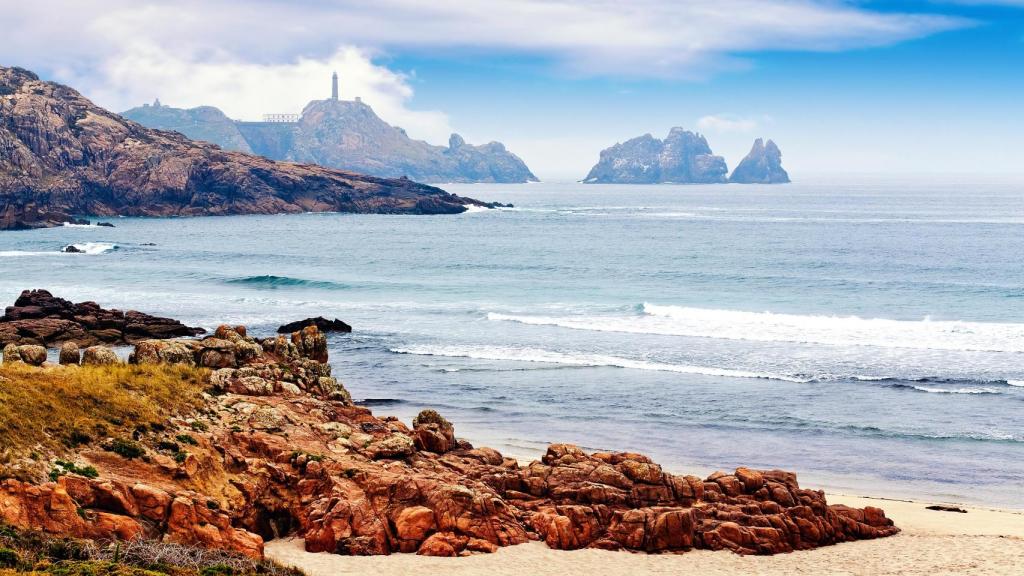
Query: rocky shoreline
{"points": [[38, 318], [278, 448]]}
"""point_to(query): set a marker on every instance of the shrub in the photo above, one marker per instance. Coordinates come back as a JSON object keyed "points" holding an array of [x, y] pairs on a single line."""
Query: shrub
{"points": [[186, 439], [126, 448], [8, 558], [61, 468]]}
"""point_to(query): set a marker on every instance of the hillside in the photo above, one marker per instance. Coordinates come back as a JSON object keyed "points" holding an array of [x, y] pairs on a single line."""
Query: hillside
{"points": [[61, 155]]}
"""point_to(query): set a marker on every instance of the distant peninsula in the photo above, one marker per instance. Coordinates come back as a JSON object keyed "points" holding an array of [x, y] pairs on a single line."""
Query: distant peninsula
{"points": [[684, 157], [61, 155], [345, 134]]}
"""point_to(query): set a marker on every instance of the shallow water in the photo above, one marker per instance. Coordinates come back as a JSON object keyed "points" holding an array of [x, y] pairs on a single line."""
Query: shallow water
{"points": [[866, 332]]}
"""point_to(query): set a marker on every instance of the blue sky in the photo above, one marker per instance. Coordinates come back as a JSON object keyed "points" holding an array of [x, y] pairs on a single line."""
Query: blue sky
{"points": [[841, 86]]}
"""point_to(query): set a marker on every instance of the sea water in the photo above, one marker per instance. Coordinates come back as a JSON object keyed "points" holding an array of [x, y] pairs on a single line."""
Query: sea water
{"points": [[866, 332]]}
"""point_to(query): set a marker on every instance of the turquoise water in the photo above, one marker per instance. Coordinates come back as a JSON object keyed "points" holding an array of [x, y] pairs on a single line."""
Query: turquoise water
{"points": [[865, 332]]}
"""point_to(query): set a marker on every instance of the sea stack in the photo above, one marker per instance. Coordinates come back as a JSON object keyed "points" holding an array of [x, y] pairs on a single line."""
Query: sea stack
{"points": [[683, 157], [763, 165]]}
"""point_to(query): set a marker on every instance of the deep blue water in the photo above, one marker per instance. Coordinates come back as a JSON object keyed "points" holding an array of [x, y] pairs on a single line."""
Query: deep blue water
{"points": [[865, 332]]}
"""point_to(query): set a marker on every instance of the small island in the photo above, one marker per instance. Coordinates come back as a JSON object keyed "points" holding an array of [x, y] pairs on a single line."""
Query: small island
{"points": [[684, 157]]}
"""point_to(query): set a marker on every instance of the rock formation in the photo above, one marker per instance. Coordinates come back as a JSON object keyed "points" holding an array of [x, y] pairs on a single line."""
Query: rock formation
{"points": [[279, 448], [346, 135], [681, 158], [763, 165], [61, 155], [40, 318], [323, 324]]}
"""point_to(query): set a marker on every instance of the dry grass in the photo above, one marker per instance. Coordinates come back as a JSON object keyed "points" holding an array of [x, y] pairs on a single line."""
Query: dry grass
{"points": [[29, 552], [51, 410]]}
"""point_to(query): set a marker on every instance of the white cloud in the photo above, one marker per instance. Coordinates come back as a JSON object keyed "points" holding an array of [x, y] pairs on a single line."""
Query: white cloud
{"points": [[727, 123], [641, 37]]}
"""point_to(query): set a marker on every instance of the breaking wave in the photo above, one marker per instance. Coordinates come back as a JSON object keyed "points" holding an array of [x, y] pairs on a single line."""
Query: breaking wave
{"points": [[923, 334], [271, 282]]}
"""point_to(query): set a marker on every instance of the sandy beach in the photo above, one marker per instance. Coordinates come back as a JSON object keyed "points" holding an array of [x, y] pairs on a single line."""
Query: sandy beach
{"points": [[983, 541]]}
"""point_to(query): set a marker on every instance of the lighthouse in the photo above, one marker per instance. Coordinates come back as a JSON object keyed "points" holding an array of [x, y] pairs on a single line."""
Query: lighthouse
{"points": [[334, 86]]}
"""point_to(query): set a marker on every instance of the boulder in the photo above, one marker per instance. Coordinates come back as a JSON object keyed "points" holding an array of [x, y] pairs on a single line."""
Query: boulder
{"points": [[433, 433], [322, 324], [70, 354], [11, 354], [99, 356], [32, 355]]}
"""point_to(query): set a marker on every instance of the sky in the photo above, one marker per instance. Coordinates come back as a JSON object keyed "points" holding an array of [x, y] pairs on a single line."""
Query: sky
{"points": [[842, 86]]}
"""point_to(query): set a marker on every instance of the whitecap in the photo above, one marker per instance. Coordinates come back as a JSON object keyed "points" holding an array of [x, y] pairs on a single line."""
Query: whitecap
{"points": [[583, 360], [983, 390]]}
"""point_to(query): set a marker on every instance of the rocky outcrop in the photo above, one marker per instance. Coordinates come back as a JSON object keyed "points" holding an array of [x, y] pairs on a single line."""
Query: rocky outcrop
{"points": [[763, 165], [41, 318], [277, 449], [346, 135], [681, 158], [323, 324], [61, 155]]}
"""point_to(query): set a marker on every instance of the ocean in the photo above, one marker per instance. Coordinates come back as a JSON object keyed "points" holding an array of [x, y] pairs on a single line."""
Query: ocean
{"points": [[866, 332]]}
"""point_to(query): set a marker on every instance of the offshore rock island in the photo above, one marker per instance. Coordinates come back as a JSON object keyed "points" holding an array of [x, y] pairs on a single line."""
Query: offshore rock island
{"points": [[683, 157], [62, 155], [228, 441], [344, 134]]}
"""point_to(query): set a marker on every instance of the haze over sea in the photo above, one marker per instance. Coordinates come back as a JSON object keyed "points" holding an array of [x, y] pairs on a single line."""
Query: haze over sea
{"points": [[865, 331]]}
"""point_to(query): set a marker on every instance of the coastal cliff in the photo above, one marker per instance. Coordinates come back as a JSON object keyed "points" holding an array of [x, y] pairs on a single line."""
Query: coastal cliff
{"points": [[763, 165], [347, 135], [60, 155], [683, 157], [231, 440]]}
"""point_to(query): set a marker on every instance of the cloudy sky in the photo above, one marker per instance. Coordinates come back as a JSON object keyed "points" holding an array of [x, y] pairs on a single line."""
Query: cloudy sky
{"points": [[842, 86]]}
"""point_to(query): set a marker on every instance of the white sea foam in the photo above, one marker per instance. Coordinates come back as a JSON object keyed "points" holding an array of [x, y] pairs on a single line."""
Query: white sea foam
{"points": [[1015, 382], [584, 360], [85, 247], [95, 247], [770, 327], [473, 209], [981, 390]]}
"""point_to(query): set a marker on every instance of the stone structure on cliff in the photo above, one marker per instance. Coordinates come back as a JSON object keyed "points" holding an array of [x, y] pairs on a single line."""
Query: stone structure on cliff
{"points": [[763, 165], [62, 155], [683, 157], [40, 318], [279, 448], [344, 134]]}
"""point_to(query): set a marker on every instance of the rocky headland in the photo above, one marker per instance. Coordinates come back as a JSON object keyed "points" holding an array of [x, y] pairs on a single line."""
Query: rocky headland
{"points": [[683, 157], [62, 155], [39, 318], [345, 134], [763, 165], [230, 440]]}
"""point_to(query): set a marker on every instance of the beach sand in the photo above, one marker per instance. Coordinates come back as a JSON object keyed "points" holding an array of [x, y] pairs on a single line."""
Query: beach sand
{"points": [[983, 541]]}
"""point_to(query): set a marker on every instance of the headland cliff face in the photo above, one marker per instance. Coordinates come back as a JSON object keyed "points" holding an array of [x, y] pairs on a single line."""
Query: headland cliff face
{"points": [[345, 134]]}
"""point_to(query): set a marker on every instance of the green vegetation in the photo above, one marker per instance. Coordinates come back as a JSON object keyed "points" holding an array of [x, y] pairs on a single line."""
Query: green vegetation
{"points": [[126, 448], [61, 468]]}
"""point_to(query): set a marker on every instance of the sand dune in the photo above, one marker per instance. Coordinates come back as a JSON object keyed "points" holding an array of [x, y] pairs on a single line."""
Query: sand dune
{"points": [[983, 541]]}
